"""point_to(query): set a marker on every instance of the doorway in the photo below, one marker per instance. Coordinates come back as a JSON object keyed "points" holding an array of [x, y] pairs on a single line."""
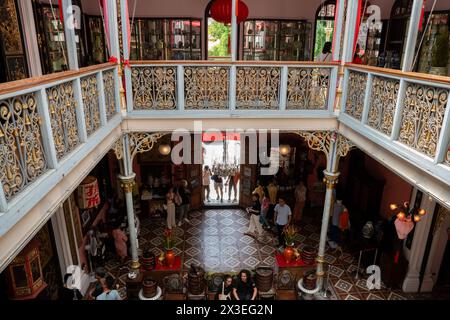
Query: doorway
{"points": [[221, 155], [218, 40]]}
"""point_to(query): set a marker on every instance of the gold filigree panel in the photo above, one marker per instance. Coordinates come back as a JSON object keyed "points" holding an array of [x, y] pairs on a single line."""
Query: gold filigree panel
{"points": [[257, 88], [22, 154], [355, 95], [422, 118], [63, 118], [382, 104], [110, 93], [154, 88], [206, 88], [89, 93], [307, 88]]}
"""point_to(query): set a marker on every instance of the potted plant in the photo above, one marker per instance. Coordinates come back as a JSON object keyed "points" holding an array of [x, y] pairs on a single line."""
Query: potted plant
{"points": [[439, 61], [290, 232], [168, 246]]}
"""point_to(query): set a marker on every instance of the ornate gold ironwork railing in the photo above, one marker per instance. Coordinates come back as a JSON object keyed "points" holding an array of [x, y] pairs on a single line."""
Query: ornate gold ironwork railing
{"points": [[242, 86], [409, 109], [43, 120]]}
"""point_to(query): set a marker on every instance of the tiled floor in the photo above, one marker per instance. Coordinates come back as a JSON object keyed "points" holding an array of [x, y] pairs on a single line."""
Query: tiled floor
{"points": [[214, 239]]}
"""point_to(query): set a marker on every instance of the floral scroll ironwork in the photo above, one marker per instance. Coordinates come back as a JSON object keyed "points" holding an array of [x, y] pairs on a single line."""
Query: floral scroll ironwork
{"points": [[356, 92], [382, 104], [139, 142], [257, 88], [154, 88], [423, 116], [321, 141], [63, 118], [307, 88], [206, 87], [110, 93], [22, 155], [89, 92]]}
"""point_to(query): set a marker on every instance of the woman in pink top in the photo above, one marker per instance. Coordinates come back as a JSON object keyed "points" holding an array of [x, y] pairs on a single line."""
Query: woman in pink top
{"points": [[120, 241]]}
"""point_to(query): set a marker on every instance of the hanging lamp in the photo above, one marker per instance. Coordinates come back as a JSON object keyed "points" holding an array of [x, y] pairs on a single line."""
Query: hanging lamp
{"points": [[221, 11]]}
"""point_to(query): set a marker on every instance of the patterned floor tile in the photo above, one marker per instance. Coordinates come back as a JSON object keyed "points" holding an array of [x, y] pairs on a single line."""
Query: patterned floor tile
{"points": [[242, 221], [226, 230], [397, 296], [250, 250], [268, 250], [193, 241], [195, 222], [229, 251], [194, 231], [352, 297], [336, 271], [250, 262], [372, 296], [192, 251], [232, 262], [211, 231], [211, 251], [211, 240], [211, 222], [343, 285]]}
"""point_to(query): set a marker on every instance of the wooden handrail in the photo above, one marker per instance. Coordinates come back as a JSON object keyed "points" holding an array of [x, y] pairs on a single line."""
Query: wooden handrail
{"points": [[24, 84], [402, 74], [237, 63]]}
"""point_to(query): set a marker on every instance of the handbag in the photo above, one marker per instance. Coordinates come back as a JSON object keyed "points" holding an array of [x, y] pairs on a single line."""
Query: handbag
{"points": [[223, 296]]}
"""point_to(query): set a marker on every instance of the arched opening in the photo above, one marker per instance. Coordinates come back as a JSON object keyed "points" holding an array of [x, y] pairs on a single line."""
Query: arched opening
{"points": [[324, 26], [217, 37]]}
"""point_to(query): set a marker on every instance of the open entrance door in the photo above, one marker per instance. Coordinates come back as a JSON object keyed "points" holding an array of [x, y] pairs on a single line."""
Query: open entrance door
{"points": [[221, 156]]}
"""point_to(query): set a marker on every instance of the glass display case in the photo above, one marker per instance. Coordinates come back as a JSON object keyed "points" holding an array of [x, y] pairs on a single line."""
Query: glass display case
{"points": [[166, 39], [434, 52], [277, 40], [51, 38], [97, 42]]}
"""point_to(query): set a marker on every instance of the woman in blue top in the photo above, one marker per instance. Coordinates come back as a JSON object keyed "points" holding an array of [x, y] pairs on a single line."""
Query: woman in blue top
{"points": [[109, 293]]}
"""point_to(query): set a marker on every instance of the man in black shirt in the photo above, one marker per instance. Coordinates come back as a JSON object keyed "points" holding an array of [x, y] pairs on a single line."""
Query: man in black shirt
{"points": [[226, 289], [245, 288]]}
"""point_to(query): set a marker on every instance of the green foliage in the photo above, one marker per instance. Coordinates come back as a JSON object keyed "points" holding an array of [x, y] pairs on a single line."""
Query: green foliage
{"points": [[218, 32], [440, 55], [321, 37]]}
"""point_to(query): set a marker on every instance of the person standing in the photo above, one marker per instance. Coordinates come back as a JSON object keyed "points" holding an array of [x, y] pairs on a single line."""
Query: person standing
{"points": [[218, 186], [231, 186], [259, 189], [120, 242], [300, 199], [282, 218], [170, 208], [68, 291], [245, 288], [185, 205], [273, 190], [206, 181], [254, 211], [109, 292], [265, 203], [326, 55]]}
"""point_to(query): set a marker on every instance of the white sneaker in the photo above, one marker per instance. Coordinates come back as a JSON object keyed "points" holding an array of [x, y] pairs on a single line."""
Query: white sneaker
{"points": [[180, 223], [187, 220]]}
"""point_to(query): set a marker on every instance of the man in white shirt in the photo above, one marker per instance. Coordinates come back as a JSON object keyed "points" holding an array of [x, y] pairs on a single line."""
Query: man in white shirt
{"points": [[282, 218]]}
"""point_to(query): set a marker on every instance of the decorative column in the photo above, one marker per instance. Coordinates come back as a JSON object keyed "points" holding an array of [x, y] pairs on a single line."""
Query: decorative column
{"points": [[126, 149], [421, 232], [334, 146], [413, 32], [69, 32], [233, 31]]}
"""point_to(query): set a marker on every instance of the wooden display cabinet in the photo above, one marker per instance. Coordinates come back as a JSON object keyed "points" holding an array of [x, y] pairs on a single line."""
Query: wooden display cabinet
{"points": [[24, 274]]}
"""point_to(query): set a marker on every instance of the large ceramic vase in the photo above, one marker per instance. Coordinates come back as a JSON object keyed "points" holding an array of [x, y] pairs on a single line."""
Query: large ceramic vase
{"points": [[289, 253], [170, 258]]}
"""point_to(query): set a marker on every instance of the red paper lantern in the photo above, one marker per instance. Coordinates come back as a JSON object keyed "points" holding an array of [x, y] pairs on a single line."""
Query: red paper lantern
{"points": [[88, 193], [221, 11]]}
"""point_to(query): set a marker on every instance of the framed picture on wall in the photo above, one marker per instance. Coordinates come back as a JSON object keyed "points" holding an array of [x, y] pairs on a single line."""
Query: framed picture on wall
{"points": [[85, 218]]}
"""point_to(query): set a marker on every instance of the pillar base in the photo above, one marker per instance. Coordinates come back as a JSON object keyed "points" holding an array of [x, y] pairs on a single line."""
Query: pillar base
{"points": [[411, 284], [427, 284], [135, 265]]}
